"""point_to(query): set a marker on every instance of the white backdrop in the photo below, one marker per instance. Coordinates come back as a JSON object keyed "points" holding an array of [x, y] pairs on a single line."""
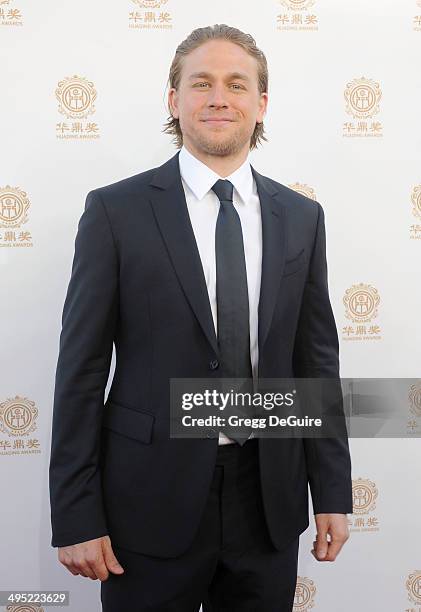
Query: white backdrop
{"points": [[343, 126]]}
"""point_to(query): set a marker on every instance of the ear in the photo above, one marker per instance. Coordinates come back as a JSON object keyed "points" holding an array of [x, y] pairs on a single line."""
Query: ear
{"points": [[263, 103], [173, 102]]}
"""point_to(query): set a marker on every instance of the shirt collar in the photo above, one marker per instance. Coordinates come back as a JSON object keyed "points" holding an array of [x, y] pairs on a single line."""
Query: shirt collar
{"points": [[200, 178]]}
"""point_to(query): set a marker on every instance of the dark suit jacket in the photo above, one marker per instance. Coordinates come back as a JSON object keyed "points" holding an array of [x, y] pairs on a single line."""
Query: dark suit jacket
{"points": [[137, 281]]}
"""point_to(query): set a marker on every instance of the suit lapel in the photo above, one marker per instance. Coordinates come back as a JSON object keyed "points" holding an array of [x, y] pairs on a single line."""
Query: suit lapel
{"points": [[273, 251], [172, 216]]}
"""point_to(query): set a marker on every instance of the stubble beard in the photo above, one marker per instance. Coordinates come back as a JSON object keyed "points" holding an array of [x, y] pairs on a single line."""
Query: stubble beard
{"points": [[228, 145]]}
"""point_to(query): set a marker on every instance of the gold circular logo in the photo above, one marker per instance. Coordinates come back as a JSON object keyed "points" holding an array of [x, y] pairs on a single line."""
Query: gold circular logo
{"points": [[150, 3], [361, 302], [413, 585], [17, 416], [364, 495], [14, 204], [305, 591], [297, 5], [416, 201], [305, 190], [76, 96], [24, 608], [415, 399], [362, 97]]}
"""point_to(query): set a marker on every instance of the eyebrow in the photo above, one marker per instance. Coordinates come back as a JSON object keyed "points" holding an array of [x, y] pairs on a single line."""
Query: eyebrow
{"points": [[207, 75]]}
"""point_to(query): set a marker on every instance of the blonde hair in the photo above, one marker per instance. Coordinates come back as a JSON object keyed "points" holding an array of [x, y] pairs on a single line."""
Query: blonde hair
{"points": [[195, 39]]}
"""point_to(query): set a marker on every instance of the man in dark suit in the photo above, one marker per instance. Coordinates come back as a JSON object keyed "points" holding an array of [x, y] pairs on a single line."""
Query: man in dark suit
{"points": [[199, 268]]}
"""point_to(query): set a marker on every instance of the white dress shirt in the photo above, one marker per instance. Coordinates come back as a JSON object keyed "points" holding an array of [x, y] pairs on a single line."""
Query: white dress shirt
{"points": [[203, 206]]}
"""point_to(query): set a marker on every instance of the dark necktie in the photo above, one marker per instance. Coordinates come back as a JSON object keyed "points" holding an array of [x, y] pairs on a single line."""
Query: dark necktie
{"points": [[232, 296]]}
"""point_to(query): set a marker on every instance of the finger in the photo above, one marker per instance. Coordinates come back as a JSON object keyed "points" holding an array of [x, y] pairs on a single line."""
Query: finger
{"points": [[321, 546], [334, 549], [111, 560], [68, 564], [85, 570], [313, 550], [100, 569]]}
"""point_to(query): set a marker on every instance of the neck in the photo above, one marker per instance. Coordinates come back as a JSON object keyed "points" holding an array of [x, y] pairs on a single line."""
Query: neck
{"points": [[222, 165]]}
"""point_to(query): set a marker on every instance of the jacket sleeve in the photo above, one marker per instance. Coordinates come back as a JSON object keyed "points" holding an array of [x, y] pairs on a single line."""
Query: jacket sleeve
{"points": [[316, 355], [85, 350]]}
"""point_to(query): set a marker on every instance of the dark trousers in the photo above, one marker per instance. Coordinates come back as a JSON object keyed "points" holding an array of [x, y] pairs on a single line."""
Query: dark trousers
{"points": [[231, 565]]}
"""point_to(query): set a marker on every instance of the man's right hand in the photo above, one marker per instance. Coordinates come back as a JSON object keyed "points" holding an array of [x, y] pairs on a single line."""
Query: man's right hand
{"points": [[92, 559]]}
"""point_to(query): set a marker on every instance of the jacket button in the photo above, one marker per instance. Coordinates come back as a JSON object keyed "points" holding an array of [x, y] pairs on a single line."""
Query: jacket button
{"points": [[214, 364]]}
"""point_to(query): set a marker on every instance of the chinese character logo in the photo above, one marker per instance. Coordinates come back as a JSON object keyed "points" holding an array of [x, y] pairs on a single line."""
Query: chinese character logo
{"points": [[14, 204], [17, 416], [364, 495], [76, 97], [362, 97], [361, 302]]}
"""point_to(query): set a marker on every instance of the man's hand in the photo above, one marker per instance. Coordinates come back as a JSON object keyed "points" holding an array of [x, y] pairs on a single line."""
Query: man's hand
{"points": [[91, 559], [336, 525]]}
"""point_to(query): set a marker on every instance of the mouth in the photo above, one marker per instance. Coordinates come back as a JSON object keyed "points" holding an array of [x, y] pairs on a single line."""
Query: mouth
{"points": [[217, 121]]}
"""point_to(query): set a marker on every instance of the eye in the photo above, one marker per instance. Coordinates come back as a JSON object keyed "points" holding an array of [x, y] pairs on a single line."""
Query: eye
{"points": [[237, 85], [202, 83]]}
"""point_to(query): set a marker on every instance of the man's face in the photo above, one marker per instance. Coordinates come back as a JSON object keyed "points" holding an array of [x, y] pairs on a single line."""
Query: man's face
{"points": [[218, 102]]}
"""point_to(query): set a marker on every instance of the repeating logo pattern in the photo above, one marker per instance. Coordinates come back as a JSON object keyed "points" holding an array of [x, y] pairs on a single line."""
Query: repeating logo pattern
{"points": [[364, 496], [361, 306], [14, 205], [304, 189], [17, 420], [10, 15], [150, 18], [361, 302], [415, 399], [414, 413], [24, 608], [362, 97], [297, 5], [417, 19], [416, 201], [305, 592], [413, 586], [151, 4], [415, 229], [297, 16], [76, 97]]}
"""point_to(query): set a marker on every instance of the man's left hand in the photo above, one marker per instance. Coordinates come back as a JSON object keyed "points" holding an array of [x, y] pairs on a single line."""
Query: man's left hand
{"points": [[336, 525]]}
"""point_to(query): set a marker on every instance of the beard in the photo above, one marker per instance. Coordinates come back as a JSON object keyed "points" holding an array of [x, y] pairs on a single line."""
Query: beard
{"points": [[222, 145]]}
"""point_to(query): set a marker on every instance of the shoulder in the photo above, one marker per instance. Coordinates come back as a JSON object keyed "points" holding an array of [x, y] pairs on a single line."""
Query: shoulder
{"points": [[295, 202], [125, 187]]}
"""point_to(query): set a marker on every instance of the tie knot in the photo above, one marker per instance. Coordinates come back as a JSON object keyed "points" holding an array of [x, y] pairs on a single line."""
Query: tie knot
{"points": [[223, 189]]}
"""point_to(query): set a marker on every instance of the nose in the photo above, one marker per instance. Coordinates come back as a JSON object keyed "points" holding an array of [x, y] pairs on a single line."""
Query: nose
{"points": [[216, 97]]}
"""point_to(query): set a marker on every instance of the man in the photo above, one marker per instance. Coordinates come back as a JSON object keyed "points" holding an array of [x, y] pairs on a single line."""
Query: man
{"points": [[199, 268]]}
